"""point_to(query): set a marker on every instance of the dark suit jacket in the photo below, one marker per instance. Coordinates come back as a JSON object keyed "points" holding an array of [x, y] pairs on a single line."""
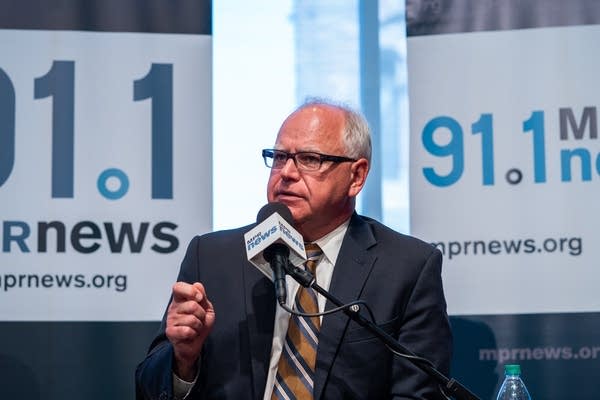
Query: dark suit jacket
{"points": [[397, 275]]}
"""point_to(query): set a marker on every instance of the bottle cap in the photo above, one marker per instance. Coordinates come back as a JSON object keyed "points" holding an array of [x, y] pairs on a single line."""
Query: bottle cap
{"points": [[512, 369]]}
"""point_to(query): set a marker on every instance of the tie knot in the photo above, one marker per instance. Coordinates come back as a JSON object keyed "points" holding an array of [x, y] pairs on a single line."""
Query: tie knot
{"points": [[313, 254], [313, 251]]}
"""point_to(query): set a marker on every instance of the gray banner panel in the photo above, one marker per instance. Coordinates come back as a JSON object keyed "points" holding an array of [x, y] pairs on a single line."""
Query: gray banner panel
{"points": [[431, 17], [559, 354], [151, 16]]}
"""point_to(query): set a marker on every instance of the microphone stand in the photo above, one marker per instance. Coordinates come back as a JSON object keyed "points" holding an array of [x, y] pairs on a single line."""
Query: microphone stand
{"points": [[452, 386]]}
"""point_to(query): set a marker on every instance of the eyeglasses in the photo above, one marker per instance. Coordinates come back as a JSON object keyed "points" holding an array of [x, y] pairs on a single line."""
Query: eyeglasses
{"points": [[304, 160]]}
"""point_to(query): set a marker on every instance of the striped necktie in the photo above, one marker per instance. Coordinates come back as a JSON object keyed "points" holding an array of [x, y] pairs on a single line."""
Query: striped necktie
{"points": [[296, 368]]}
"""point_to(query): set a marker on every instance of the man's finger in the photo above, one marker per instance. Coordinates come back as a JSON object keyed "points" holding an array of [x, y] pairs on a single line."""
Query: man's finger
{"points": [[183, 291], [201, 292]]}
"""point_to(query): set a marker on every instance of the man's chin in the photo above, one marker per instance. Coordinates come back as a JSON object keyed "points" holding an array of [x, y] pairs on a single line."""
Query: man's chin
{"points": [[297, 209]]}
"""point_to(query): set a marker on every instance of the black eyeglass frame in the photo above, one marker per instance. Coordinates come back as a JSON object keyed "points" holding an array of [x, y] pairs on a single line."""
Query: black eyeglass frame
{"points": [[270, 154]]}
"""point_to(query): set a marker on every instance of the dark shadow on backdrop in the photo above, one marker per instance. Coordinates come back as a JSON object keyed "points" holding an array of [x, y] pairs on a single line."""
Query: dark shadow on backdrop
{"points": [[17, 379], [71, 360], [479, 376]]}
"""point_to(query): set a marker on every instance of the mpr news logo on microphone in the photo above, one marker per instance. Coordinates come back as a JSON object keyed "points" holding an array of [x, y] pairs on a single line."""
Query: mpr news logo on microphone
{"points": [[274, 229]]}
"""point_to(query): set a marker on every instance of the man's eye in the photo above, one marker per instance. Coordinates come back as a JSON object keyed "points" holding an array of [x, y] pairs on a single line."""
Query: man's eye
{"points": [[310, 159], [280, 157]]}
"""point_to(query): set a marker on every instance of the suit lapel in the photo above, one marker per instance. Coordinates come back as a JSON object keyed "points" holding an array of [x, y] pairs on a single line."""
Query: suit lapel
{"points": [[352, 268], [260, 317]]}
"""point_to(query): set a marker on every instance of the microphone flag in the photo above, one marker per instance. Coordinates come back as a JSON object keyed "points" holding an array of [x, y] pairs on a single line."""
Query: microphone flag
{"points": [[274, 229]]}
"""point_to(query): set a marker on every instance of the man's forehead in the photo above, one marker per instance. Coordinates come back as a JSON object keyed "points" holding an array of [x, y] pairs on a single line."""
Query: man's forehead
{"points": [[307, 139], [319, 122]]}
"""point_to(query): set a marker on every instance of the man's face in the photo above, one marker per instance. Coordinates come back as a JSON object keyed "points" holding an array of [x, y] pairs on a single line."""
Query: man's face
{"points": [[319, 200]]}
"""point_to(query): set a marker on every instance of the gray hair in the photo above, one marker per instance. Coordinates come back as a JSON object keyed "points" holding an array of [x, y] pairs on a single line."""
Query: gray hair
{"points": [[357, 134]]}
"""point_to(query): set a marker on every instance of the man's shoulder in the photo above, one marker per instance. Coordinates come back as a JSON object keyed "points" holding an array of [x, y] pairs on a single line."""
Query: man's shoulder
{"points": [[222, 237], [386, 236]]}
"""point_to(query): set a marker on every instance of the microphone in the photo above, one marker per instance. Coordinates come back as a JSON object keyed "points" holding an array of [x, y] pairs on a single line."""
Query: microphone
{"points": [[273, 243]]}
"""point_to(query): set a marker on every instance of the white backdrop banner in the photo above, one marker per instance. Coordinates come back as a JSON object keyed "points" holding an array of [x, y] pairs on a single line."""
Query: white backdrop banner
{"points": [[505, 166], [105, 170]]}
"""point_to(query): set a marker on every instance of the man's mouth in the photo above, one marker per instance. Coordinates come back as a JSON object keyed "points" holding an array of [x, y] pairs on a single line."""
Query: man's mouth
{"points": [[287, 195]]}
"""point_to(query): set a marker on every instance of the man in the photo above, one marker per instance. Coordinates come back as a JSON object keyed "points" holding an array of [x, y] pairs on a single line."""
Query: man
{"points": [[223, 336]]}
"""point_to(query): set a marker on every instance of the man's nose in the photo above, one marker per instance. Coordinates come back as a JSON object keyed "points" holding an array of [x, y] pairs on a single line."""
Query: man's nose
{"points": [[289, 169]]}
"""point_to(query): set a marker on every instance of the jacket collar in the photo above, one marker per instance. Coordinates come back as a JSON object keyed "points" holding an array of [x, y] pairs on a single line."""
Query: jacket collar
{"points": [[351, 271]]}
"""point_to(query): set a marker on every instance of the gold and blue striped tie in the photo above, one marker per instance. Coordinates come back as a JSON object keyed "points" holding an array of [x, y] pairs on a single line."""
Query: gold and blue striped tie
{"points": [[296, 368]]}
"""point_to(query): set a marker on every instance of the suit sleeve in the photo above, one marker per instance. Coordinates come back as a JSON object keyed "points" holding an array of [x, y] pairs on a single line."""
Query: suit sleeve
{"points": [[153, 376], [425, 330]]}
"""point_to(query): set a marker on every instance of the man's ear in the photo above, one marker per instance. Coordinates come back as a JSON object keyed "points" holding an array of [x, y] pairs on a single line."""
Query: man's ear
{"points": [[359, 171]]}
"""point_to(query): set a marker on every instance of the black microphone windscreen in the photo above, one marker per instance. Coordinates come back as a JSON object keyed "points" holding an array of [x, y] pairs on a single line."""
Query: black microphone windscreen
{"points": [[270, 208]]}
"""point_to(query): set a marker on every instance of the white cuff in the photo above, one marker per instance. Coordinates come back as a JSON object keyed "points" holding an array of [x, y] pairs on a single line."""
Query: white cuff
{"points": [[182, 388]]}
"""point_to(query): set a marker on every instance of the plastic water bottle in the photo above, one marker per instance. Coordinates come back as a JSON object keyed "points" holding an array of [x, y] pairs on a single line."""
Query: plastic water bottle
{"points": [[513, 387]]}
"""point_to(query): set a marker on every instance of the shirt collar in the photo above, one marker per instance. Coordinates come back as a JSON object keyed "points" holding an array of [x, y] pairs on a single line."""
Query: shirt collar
{"points": [[332, 242]]}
